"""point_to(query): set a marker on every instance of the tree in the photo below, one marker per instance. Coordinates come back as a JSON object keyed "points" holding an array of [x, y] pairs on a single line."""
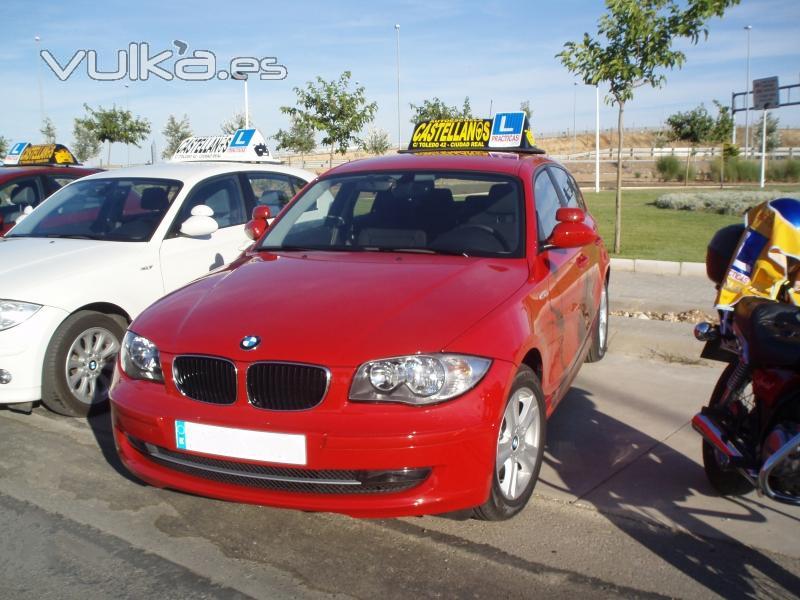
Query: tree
{"points": [[175, 132], [84, 143], [115, 125], [332, 108], [48, 131], [720, 132], [376, 142], [436, 109], [692, 127], [634, 42], [773, 135], [237, 121], [3, 145], [299, 138], [525, 106]]}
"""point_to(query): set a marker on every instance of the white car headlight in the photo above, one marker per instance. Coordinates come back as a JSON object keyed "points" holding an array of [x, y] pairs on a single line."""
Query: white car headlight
{"points": [[419, 379], [12, 313], [139, 358]]}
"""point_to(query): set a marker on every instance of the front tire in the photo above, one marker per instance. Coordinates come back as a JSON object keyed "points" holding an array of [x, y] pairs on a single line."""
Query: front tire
{"points": [[726, 481], [519, 451], [79, 363], [600, 332]]}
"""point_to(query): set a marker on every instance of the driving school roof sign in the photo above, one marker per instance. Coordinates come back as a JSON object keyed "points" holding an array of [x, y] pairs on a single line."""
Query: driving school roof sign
{"points": [[25, 154], [243, 145], [506, 131]]}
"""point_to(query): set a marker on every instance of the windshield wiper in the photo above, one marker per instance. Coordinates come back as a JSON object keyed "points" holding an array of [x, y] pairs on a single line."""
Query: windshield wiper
{"points": [[309, 249], [71, 236], [416, 250]]}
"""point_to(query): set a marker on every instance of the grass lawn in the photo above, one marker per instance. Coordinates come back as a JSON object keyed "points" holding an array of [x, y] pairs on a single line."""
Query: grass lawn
{"points": [[657, 233]]}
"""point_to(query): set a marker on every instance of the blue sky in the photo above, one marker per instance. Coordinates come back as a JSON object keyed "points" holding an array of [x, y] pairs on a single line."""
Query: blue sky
{"points": [[494, 52]]}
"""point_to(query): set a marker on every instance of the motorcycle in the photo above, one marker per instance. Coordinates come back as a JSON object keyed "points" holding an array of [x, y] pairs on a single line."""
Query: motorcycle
{"points": [[751, 425]]}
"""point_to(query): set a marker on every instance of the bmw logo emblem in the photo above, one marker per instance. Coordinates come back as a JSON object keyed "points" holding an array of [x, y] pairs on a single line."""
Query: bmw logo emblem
{"points": [[249, 342]]}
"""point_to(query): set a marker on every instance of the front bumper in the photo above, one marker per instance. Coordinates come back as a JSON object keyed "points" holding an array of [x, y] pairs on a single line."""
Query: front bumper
{"points": [[22, 350], [448, 450]]}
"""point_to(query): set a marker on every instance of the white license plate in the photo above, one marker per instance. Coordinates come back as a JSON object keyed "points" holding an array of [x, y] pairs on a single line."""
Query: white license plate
{"points": [[287, 448]]}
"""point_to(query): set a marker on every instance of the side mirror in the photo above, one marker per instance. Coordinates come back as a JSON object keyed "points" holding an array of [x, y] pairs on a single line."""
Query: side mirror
{"points": [[201, 223], [25, 212], [258, 224], [570, 234]]}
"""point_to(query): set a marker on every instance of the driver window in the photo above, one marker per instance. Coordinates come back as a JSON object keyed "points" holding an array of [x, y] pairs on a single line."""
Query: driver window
{"points": [[547, 204], [222, 196]]}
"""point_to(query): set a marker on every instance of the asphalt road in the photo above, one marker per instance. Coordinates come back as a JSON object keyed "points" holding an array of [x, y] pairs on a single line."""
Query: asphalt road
{"points": [[622, 510]]}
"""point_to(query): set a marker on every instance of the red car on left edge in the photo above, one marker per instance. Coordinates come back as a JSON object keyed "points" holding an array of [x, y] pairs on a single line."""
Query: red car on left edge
{"points": [[30, 174], [392, 345]]}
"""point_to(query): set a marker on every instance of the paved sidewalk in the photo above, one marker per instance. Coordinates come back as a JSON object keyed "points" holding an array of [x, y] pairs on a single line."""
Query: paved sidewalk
{"points": [[674, 342], [664, 293]]}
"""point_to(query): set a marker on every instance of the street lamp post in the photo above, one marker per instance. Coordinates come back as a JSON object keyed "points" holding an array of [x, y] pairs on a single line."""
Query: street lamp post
{"points": [[397, 32], [747, 28], [128, 108], [38, 41], [240, 76]]}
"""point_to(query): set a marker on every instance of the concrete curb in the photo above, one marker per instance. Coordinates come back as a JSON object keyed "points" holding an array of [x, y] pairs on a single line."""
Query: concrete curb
{"points": [[659, 267]]}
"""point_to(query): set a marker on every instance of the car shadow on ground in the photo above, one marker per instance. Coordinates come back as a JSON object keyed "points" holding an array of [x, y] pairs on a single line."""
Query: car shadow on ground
{"points": [[100, 424], [579, 431]]}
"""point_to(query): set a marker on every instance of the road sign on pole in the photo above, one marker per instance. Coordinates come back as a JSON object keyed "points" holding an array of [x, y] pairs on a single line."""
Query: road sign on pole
{"points": [[766, 93]]}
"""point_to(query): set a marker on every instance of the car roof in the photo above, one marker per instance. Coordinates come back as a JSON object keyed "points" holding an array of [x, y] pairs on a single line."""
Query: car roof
{"points": [[502, 163], [192, 172], [9, 172]]}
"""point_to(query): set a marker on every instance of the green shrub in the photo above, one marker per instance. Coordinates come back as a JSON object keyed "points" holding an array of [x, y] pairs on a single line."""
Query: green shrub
{"points": [[792, 169], [724, 203], [746, 170], [668, 168]]}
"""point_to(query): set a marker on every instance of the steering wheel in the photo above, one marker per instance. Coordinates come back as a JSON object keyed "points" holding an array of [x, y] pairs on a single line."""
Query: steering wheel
{"points": [[486, 229]]}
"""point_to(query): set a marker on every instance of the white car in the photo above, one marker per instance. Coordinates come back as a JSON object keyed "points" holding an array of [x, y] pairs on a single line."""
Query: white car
{"points": [[84, 263]]}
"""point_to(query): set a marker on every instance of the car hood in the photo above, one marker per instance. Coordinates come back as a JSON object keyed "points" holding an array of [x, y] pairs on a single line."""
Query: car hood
{"points": [[334, 309], [46, 270]]}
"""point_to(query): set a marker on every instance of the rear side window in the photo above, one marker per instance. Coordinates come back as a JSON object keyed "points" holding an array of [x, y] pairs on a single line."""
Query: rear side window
{"points": [[570, 193], [270, 189], [56, 182], [547, 204]]}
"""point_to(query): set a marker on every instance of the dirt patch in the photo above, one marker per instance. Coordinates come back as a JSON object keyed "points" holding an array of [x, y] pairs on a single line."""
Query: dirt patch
{"points": [[687, 316]]}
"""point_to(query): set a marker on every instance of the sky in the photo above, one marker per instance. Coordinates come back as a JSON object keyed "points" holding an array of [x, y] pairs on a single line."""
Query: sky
{"points": [[497, 53]]}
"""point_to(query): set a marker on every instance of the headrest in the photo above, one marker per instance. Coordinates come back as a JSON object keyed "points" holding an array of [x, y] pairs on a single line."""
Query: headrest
{"points": [[154, 198], [24, 193]]}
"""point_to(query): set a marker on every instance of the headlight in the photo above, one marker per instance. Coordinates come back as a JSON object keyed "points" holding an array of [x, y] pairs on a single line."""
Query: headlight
{"points": [[419, 379], [139, 358], [13, 313]]}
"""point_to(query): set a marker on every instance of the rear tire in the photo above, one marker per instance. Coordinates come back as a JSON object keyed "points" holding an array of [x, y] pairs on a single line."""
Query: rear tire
{"points": [[600, 332], [79, 363], [727, 482], [519, 450]]}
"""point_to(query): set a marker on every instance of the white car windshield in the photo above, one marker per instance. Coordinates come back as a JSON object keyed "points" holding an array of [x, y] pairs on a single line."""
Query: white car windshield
{"points": [[473, 214], [114, 209]]}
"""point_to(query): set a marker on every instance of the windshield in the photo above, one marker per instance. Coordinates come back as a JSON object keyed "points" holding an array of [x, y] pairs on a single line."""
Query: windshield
{"points": [[430, 212], [116, 209]]}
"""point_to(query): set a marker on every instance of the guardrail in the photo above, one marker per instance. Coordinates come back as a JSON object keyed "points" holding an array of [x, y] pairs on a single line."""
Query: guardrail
{"points": [[654, 153], [318, 161]]}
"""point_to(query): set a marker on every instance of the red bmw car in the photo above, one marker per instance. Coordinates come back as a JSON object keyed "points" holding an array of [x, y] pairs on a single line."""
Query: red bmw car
{"points": [[392, 344]]}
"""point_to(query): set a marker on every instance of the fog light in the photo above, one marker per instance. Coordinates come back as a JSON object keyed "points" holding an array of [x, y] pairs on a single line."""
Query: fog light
{"points": [[5, 376]]}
